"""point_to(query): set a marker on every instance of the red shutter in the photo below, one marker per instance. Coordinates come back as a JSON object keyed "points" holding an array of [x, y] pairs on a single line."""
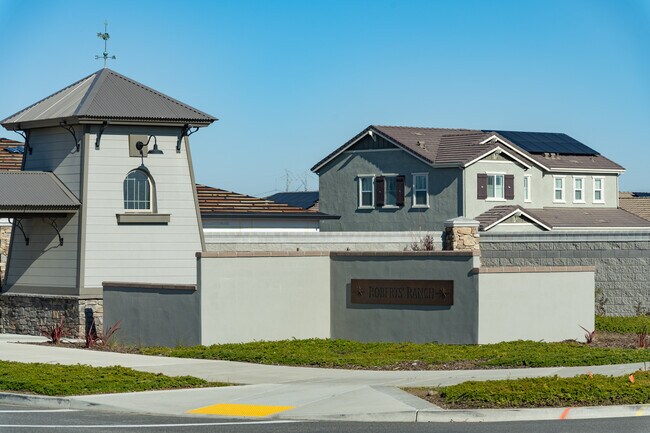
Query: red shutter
{"points": [[509, 183], [399, 182], [481, 186], [380, 191]]}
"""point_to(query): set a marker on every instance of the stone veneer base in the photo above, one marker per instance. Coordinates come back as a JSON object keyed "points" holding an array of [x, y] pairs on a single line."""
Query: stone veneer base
{"points": [[29, 314]]}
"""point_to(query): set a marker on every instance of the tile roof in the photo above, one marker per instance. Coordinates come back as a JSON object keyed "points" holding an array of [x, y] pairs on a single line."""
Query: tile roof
{"points": [[219, 203], [10, 160], [303, 199], [25, 192], [461, 146], [107, 95], [636, 203], [562, 218]]}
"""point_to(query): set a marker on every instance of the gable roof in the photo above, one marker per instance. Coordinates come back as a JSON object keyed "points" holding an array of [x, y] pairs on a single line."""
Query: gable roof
{"points": [[565, 218], [25, 192], [107, 95], [460, 147], [635, 202], [497, 214], [302, 199], [11, 155], [219, 203]]}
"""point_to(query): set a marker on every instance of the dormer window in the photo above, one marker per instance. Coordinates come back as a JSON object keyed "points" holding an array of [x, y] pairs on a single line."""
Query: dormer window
{"points": [[138, 191]]}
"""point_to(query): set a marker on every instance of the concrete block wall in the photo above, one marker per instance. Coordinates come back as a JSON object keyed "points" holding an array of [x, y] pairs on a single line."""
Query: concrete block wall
{"points": [[621, 259]]}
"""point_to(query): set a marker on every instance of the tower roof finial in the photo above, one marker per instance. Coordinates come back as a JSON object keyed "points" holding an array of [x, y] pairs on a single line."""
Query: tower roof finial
{"points": [[105, 36]]}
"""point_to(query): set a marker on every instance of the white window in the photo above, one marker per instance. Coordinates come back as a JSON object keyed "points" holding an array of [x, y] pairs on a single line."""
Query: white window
{"points": [[558, 189], [137, 191], [391, 191], [366, 191], [420, 190], [527, 194], [578, 189], [495, 187], [599, 190]]}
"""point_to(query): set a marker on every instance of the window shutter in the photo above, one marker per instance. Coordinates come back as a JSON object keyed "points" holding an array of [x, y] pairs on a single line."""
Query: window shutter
{"points": [[509, 183], [481, 186], [399, 183], [380, 190]]}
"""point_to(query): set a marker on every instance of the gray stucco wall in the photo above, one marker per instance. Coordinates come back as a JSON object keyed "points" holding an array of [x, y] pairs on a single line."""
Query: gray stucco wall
{"points": [[338, 186], [154, 316], [622, 261], [457, 324]]}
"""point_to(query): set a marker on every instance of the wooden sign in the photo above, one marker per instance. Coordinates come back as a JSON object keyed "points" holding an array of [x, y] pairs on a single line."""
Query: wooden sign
{"points": [[402, 292]]}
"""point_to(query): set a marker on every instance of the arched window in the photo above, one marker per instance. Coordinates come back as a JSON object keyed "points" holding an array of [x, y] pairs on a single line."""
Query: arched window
{"points": [[137, 191]]}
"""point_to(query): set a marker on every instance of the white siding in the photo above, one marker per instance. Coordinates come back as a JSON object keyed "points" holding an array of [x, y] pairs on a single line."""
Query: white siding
{"points": [[55, 151], [43, 265], [139, 253]]}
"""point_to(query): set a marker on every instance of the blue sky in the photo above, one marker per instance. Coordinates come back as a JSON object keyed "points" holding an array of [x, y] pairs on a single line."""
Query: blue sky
{"points": [[292, 80]]}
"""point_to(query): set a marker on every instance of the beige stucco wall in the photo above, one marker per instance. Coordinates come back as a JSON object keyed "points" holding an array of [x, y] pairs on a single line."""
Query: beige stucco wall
{"points": [[548, 306], [264, 298]]}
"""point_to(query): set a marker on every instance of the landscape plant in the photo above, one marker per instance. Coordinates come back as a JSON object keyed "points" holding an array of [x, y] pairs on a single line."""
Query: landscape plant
{"points": [[55, 334], [352, 354], [56, 379], [583, 390]]}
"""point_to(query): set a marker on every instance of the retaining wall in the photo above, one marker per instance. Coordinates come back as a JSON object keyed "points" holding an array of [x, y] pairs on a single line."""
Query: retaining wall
{"points": [[621, 260]]}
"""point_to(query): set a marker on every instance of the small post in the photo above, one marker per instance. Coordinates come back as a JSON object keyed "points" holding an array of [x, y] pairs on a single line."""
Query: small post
{"points": [[461, 234]]}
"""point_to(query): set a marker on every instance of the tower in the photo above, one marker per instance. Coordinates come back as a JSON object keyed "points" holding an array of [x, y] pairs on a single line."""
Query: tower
{"points": [[107, 191]]}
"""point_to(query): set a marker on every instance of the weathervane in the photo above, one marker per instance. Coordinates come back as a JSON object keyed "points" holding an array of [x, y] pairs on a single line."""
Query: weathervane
{"points": [[105, 36]]}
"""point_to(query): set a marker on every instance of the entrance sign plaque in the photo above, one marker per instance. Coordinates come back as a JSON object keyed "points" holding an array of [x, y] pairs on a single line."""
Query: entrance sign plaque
{"points": [[402, 292]]}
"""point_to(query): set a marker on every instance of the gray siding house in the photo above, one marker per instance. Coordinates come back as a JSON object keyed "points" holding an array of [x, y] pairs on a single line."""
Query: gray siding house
{"points": [[390, 178]]}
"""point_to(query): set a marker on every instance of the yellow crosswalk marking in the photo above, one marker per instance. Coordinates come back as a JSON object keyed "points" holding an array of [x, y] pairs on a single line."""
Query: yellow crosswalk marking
{"points": [[229, 409]]}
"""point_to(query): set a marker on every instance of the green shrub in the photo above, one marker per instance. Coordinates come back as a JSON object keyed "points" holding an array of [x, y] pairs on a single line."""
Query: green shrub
{"points": [[549, 391], [56, 379], [622, 325], [351, 354]]}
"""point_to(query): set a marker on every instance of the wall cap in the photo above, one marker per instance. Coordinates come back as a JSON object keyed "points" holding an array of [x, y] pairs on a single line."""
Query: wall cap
{"points": [[232, 254], [153, 286], [531, 269], [405, 253], [462, 222]]}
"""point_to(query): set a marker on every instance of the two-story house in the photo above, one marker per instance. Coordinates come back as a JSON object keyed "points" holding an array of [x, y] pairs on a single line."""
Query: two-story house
{"points": [[390, 178]]}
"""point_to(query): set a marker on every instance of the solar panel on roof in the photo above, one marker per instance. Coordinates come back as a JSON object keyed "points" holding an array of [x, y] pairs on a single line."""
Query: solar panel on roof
{"points": [[547, 142], [15, 149]]}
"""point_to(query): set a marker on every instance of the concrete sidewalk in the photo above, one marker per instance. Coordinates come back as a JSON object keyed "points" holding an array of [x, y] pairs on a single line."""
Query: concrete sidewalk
{"points": [[297, 392]]}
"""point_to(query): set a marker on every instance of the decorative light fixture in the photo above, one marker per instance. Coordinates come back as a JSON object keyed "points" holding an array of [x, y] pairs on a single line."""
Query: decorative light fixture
{"points": [[155, 151]]}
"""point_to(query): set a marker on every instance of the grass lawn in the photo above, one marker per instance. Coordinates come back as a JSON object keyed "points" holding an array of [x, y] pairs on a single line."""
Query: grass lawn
{"points": [[409, 356], [60, 380], [584, 390]]}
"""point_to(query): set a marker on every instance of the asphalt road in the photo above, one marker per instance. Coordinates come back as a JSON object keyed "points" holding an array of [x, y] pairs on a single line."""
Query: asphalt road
{"points": [[30, 419]]}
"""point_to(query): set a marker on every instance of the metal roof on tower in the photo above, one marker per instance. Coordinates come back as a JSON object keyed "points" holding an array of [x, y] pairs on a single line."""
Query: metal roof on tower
{"points": [[107, 95]]}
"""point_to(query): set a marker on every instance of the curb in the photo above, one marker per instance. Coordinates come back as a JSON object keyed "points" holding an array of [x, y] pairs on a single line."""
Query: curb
{"points": [[437, 416]]}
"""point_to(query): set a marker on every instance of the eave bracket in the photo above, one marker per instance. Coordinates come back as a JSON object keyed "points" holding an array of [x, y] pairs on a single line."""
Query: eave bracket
{"points": [[99, 134], [186, 132], [71, 130], [18, 223], [25, 135]]}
